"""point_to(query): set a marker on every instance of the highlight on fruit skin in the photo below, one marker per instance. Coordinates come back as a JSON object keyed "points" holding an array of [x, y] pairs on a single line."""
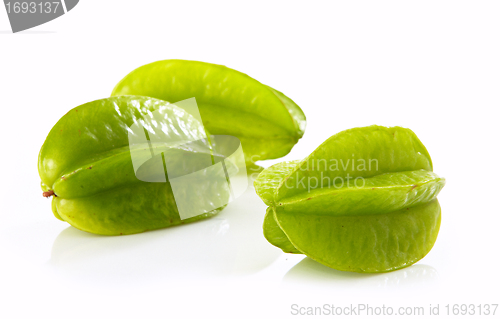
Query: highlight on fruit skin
{"points": [[364, 201]]}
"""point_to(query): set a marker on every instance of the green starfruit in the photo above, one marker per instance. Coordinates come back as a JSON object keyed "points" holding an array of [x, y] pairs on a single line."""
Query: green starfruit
{"points": [[267, 122], [103, 183], [363, 201]]}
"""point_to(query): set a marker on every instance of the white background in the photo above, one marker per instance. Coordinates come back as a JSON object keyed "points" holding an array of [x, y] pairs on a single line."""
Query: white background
{"points": [[432, 66]]}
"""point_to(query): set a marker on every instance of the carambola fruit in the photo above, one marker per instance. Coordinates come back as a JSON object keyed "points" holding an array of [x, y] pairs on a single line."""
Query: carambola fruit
{"points": [[86, 164], [363, 201], [267, 122]]}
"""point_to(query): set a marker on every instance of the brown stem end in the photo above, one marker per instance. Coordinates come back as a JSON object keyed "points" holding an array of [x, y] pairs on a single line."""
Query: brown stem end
{"points": [[49, 193]]}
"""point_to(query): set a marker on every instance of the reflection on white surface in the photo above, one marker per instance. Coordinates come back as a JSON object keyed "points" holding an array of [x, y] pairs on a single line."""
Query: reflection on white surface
{"points": [[228, 244], [311, 271]]}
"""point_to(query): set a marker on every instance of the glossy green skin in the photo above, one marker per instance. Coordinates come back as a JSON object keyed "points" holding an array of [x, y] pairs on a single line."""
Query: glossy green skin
{"points": [[86, 161], [390, 222], [267, 122], [275, 235]]}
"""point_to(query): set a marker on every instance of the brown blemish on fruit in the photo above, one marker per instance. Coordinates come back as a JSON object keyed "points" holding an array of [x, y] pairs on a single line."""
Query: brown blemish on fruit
{"points": [[62, 177], [90, 167]]}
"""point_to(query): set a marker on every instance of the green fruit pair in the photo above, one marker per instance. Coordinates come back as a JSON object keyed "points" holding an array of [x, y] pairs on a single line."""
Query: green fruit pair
{"points": [[363, 201], [90, 167]]}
